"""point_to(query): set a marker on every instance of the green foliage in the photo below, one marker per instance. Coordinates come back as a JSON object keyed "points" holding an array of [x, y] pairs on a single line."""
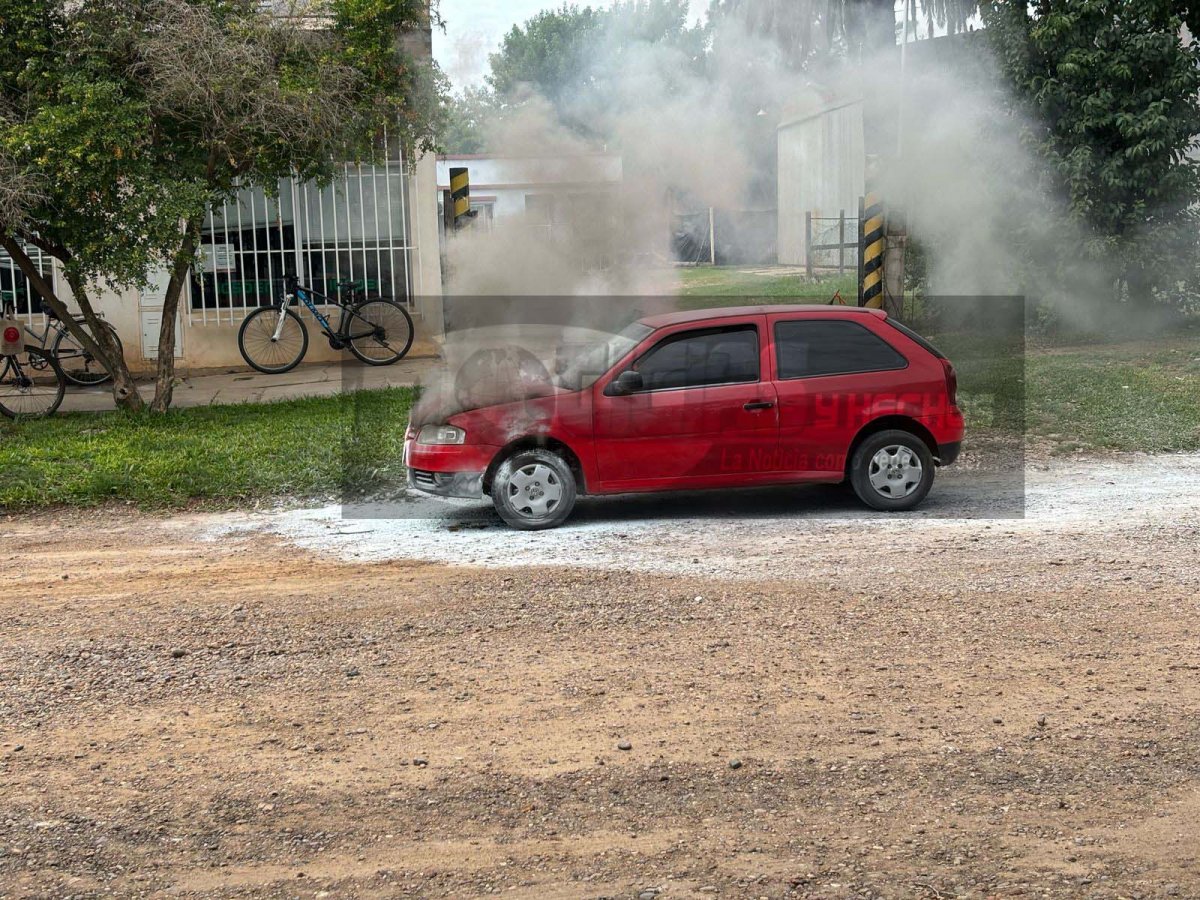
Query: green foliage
{"points": [[574, 57], [220, 454], [469, 115], [1112, 96], [135, 115], [550, 54]]}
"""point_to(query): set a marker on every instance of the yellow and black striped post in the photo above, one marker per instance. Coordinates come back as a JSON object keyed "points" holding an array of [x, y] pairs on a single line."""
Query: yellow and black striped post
{"points": [[870, 251], [460, 193]]}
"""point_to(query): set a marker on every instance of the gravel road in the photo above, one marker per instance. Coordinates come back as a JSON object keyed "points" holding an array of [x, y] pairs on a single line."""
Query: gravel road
{"points": [[666, 699]]}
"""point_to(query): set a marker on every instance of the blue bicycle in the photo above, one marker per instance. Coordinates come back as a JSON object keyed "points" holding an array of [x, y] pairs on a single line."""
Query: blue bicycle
{"points": [[273, 339]]}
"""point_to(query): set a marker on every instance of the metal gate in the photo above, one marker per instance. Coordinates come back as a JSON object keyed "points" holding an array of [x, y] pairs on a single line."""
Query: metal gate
{"points": [[356, 229], [17, 289]]}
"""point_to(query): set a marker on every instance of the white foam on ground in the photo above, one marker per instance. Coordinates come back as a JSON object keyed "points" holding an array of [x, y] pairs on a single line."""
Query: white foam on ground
{"points": [[734, 533]]}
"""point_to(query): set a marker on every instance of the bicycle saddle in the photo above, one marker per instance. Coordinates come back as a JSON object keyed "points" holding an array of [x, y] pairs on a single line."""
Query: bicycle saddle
{"points": [[47, 311]]}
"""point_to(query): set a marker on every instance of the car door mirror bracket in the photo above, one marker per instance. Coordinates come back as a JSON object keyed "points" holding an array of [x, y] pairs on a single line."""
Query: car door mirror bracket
{"points": [[628, 382]]}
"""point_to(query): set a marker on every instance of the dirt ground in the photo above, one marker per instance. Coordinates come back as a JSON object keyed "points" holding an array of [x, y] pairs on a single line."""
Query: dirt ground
{"points": [[838, 706]]}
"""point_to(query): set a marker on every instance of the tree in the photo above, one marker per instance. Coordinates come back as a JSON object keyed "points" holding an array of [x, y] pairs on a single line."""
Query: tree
{"points": [[573, 57], [549, 55], [136, 115], [815, 33], [67, 125], [469, 115], [1112, 95]]}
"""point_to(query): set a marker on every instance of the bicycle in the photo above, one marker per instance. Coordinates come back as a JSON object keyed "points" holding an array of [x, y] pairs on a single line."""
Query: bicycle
{"points": [[32, 384], [79, 366], [273, 339]]}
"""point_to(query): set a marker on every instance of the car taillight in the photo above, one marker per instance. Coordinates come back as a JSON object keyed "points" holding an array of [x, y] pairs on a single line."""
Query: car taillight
{"points": [[11, 335], [951, 381]]}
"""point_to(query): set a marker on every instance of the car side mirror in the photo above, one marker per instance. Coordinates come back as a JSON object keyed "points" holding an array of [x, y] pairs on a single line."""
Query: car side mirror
{"points": [[627, 382]]}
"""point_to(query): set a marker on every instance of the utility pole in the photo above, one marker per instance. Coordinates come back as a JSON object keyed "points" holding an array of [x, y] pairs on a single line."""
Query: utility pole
{"points": [[896, 227]]}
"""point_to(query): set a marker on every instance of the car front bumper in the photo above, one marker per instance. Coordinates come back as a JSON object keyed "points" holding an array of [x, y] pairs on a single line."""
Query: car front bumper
{"points": [[448, 470], [467, 485]]}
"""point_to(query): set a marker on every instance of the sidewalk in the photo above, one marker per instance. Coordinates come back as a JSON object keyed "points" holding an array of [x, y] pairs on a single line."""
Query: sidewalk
{"points": [[317, 380]]}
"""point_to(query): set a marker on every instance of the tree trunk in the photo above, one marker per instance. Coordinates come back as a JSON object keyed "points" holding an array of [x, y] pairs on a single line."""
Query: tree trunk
{"points": [[164, 381], [1137, 283], [94, 338]]}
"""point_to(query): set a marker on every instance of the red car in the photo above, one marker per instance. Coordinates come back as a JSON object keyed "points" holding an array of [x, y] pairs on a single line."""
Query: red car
{"points": [[724, 398]]}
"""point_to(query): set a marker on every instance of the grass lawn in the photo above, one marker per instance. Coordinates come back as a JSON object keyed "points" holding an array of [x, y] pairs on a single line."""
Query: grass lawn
{"points": [[1132, 396], [222, 454], [1141, 395], [708, 286]]}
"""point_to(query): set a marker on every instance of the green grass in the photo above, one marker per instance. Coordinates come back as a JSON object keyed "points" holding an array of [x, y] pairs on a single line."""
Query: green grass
{"points": [[704, 287], [1136, 396], [220, 454], [1132, 396]]}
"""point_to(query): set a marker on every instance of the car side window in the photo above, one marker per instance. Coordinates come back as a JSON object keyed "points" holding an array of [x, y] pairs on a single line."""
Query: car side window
{"points": [[699, 358], [811, 347]]}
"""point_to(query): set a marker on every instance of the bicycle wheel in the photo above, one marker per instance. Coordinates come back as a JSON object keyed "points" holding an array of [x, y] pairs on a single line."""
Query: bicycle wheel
{"points": [[79, 366], [379, 332], [31, 384], [269, 345]]}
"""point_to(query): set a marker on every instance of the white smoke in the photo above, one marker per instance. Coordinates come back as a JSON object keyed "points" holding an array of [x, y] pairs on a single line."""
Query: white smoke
{"points": [[681, 127], [979, 201], [975, 196]]}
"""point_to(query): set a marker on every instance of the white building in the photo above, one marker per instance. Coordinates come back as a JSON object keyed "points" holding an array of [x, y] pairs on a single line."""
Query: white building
{"points": [[540, 191], [822, 162], [376, 225]]}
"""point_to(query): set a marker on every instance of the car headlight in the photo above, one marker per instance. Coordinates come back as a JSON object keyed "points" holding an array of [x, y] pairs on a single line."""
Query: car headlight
{"points": [[440, 434]]}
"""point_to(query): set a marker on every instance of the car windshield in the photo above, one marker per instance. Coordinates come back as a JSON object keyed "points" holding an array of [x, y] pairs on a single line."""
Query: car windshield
{"points": [[594, 361]]}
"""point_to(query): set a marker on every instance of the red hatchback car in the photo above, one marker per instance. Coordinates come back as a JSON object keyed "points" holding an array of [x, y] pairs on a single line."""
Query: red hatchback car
{"points": [[723, 398]]}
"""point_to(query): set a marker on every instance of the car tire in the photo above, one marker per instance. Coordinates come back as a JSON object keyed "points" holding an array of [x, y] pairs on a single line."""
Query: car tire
{"points": [[534, 489], [892, 470]]}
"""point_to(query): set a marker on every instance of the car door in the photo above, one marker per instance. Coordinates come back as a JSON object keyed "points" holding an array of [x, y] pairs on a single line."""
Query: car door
{"points": [[831, 375], [704, 415]]}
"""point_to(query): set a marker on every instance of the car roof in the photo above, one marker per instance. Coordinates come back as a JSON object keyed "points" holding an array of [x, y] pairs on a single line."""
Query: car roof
{"points": [[727, 312]]}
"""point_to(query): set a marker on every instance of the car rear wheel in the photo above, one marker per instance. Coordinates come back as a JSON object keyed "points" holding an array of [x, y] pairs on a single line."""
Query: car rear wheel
{"points": [[534, 489], [892, 471]]}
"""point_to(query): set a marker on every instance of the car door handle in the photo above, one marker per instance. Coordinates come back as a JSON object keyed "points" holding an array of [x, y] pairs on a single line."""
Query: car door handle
{"points": [[758, 404]]}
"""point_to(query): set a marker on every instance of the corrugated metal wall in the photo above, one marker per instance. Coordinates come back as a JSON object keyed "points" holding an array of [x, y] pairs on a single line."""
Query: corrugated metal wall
{"points": [[821, 170]]}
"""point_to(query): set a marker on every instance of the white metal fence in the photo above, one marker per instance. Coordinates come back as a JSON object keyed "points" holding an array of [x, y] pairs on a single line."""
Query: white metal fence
{"points": [[15, 288], [831, 242], [356, 229]]}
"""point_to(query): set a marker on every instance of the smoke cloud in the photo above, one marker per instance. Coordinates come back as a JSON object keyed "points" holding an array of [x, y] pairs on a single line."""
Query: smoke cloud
{"points": [[979, 202], [943, 148], [684, 129]]}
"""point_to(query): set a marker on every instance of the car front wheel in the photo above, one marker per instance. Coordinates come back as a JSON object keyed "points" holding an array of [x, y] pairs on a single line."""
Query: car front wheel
{"points": [[534, 489], [892, 471]]}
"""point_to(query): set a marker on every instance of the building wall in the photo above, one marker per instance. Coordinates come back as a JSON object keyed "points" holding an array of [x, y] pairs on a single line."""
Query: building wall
{"points": [[504, 182], [292, 234], [821, 170]]}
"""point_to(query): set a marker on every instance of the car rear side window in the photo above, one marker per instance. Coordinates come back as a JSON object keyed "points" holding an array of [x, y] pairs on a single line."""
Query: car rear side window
{"points": [[811, 347], [915, 338], [700, 358]]}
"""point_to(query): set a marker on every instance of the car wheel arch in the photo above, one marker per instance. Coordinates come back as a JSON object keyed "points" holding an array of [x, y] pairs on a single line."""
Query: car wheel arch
{"points": [[542, 442], [885, 423]]}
